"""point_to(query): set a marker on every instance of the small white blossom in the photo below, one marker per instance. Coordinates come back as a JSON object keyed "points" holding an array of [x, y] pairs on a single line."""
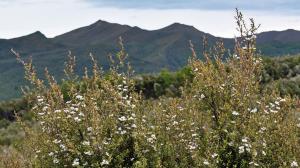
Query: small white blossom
{"points": [[245, 140], [235, 113], [63, 147], [75, 162], [56, 141], [77, 119], [57, 111], [40, 100], [241, 149], [86, 143], [88, 153], [214, 155], [55, 161], [253, 110], [104, 162], [206, 162], [90, 129], [45, 108], [123, 132], [51, 154], [79, 97], [123, 118], [294, 164]]}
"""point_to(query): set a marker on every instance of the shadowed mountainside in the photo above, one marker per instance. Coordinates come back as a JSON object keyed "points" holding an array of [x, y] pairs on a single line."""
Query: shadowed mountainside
{"points": [[149, 51]]}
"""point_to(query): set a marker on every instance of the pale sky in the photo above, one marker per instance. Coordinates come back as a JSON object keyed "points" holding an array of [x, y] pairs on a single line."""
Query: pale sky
{"points": [[54, 17]]}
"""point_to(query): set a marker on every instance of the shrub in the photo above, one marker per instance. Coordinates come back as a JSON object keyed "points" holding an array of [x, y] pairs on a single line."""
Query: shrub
{"points": [[221, 120]]}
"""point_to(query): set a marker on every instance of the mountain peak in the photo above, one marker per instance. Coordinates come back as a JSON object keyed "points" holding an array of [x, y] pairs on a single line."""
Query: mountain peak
{"points": [[38, 34], [101, 22], [35, 35], [179, 27]]}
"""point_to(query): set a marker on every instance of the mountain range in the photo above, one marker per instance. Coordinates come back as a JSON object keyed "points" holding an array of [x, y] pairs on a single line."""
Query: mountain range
{"points": [[149, 51]]}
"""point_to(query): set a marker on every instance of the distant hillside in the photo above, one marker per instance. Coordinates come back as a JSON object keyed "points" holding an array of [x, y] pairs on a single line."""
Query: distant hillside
{"points": [[277, 43], [149, 51]]}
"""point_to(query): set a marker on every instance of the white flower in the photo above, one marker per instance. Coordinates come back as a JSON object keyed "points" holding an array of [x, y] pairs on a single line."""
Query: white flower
{"points": [[235, 113], [133, 126], [86, 143], [75, 162], [73, 108], [192, 146], [56, 141], [255, 164], [214, 155], [55, 161], [206, 162], [51, 154], [253, 110], [262, 129], [180, 108], [241, 149], [123, 132], [90, 129], [63, 147], [45, 108], [294, 164], [57, 111], [40, 100], [88, 153], [104, 162], [77, 119], [273, 111], [245, 140], [282, 100], [123, 118], [79, 97], [151, 139], [202, 96]]}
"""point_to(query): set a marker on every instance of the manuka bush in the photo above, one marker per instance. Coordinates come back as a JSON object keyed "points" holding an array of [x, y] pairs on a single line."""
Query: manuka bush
{"points": [[221, 119]]}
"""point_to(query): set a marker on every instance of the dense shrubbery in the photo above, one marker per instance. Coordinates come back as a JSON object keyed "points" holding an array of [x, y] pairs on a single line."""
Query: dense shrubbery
{"points": [[8, 108], [166, 83], [282, 74], [221, 118]]}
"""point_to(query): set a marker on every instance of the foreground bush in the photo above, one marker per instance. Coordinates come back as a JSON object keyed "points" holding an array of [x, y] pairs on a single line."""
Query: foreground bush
{"points": [[222, 119]]}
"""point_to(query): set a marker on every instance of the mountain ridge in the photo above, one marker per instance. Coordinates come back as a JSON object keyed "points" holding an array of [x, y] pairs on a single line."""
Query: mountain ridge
{"points": [[149, 50]]}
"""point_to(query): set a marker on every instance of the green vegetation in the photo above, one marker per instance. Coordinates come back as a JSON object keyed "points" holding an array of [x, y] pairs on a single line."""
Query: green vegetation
{"points": [[282, 74], [213, 113]]}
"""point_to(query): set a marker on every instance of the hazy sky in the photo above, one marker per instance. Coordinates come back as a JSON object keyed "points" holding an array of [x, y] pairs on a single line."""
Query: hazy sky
{"points": [[53, 17]]}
